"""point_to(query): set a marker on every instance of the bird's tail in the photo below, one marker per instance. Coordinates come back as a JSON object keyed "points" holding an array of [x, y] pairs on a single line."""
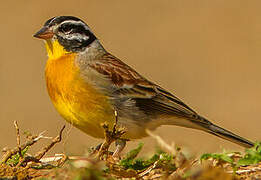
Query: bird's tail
{"points": [[225, 134]]}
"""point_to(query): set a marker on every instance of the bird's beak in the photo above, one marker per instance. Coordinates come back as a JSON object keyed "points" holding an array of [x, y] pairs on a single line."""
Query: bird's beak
{"points": [[44, 33]]}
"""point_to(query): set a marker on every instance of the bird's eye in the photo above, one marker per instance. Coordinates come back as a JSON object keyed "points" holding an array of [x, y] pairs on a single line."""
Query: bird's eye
{"points": [[66, 28]]}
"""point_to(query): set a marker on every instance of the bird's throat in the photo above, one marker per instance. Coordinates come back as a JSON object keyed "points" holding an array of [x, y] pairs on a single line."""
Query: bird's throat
{"points": [[54, 49]]}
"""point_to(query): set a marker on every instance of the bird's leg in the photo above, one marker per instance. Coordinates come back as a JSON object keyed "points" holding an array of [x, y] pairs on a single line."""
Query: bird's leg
{"points": [[120, 144], [111, 136]]}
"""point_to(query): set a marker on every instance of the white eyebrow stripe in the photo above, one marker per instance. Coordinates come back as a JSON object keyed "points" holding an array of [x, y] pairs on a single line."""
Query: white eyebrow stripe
{"points": [[76, 23], [52, 20]]}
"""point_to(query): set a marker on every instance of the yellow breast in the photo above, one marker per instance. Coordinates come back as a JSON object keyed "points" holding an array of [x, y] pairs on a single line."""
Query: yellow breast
{"points": [[74, 98]]}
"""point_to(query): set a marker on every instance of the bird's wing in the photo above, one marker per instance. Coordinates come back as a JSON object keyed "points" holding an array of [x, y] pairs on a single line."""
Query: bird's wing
{"points": [[148, 96], [153, 100]]}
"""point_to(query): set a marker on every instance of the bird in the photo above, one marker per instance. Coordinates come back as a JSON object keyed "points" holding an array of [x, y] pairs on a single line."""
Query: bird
{"points": [[87, 85]]}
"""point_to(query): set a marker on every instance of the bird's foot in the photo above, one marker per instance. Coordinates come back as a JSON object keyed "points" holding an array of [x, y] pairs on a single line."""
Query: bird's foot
{"points": [[110, 137]]}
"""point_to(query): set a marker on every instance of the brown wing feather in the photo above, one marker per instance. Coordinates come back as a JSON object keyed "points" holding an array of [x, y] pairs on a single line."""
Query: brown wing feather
{"points": [[116, 70], [149, 97]]}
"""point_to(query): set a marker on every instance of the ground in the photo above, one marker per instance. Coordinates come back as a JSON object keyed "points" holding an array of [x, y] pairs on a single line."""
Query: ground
{"points": [[168, 162]]}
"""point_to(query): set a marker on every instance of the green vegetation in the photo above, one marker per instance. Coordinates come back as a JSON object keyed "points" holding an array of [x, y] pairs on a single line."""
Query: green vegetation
{"points": [[225, 157], [252, 155], [236, 159], [131, 162], [14, 160]]}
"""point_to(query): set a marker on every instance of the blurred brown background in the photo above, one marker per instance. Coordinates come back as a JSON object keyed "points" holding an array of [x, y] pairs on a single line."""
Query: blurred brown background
{"points": [[206, 52]]}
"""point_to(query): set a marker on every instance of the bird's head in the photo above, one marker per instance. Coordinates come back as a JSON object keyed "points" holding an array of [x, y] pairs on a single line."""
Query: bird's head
{"points": [[65, 34]]}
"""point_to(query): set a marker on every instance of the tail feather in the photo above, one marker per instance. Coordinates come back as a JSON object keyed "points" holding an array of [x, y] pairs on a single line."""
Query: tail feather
{"points": [[225, 134]]}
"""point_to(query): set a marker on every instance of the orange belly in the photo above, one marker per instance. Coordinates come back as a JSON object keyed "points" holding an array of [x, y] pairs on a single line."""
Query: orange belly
{"points": [[76, 100]]}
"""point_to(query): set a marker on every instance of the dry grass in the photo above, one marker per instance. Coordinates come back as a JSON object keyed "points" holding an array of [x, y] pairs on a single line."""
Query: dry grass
{"points": [[168, 162]]}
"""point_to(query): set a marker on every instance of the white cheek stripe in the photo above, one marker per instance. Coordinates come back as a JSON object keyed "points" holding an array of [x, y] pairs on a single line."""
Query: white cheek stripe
{"points": [[77, 36]]}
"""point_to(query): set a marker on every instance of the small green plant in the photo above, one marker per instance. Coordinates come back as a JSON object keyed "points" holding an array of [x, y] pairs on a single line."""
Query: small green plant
{"points": [[131, 162], [218, 156], [14, 160], [252, 155]]}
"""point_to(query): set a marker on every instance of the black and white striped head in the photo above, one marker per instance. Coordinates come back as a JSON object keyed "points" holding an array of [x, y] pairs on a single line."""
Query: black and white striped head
{"points": [[71, 32]]}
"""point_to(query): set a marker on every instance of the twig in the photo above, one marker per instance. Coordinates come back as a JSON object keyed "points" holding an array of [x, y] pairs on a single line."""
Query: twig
{"points": [[242, 171], [14, 151], [55, 140], [18, 142], [120, 172], [148, 170], [18, 137], [170, 148], [180, 171], [42, 152], [116, 121], [59, 158]]}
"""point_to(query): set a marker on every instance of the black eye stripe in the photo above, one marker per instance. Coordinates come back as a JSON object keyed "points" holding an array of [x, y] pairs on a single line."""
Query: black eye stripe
{"points": [[76, 44], [66, 28], [75, 37]]}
